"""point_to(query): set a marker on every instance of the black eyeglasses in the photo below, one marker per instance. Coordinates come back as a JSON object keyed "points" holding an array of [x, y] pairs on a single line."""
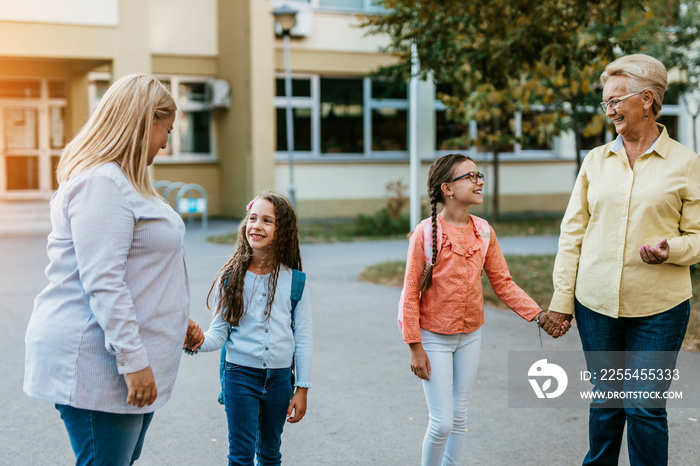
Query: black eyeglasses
{"points": [[474, 177]]}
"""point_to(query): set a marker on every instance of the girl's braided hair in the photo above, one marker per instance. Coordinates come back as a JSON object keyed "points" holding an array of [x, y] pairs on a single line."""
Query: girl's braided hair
{"points": [[284, 249], [441, 171]]}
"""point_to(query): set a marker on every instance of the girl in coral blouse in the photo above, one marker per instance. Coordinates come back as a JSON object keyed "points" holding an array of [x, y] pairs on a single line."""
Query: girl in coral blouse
{"points": [[442, 305]]}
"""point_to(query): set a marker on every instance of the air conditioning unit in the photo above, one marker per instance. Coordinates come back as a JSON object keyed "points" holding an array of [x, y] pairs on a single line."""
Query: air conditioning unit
{"points": [[305, 19], [218, 94]]}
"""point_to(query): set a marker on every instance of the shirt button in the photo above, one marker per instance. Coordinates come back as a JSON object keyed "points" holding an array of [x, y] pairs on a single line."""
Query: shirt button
{"points": [[266, 330], [267, 349], [264, 294], [264, 365]]}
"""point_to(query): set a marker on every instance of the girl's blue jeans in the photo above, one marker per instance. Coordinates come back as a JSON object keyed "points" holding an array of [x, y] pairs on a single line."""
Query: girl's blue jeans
{"points": [[635, 344], [256, 402], [104, 439]]}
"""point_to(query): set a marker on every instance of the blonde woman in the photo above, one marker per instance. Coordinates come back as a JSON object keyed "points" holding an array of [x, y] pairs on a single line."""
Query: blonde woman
{"points": [[103, 342]]}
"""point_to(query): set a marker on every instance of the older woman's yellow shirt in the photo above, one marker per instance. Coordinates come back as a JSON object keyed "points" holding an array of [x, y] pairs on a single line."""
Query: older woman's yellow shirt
{"points": [[613, 211]]}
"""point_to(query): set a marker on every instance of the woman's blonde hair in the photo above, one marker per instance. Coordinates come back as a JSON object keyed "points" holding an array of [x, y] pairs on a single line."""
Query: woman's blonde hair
{"points": [[643, 72], [120, 131]]}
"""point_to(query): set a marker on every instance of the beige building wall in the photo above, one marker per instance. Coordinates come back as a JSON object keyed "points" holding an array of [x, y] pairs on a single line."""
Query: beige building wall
{"points": [[234, 40], [246, 132]]}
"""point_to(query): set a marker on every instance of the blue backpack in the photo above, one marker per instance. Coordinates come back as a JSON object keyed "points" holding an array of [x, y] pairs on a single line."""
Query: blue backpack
{"points": [[298, 282]]}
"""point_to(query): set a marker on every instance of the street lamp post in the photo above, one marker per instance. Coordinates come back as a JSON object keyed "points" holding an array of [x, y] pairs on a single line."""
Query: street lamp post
{"points": [[286, 17]]}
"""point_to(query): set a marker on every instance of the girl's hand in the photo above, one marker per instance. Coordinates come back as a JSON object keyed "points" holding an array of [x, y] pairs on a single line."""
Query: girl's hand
{"points": [[297, 406], [142, 387], [420, 365]]}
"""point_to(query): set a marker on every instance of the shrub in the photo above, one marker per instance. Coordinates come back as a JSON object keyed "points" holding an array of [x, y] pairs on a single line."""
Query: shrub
{"points": [[381, 223]]}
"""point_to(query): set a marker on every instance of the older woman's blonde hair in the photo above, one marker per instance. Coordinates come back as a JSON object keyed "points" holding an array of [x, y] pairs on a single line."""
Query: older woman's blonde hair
{"points": [[120, 131], [643, 72]]}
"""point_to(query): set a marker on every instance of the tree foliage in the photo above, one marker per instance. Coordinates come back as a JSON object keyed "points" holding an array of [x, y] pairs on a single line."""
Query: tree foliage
{"points": [[495, 57]]}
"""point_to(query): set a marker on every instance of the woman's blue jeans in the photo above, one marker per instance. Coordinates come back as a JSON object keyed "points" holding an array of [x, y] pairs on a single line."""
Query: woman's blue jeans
{"points": [[256, 402], [104, 439], [635, 344]]}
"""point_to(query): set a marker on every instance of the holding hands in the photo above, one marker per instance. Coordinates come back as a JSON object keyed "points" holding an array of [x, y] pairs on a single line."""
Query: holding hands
{"points": [[554, 323], [194, 337]]}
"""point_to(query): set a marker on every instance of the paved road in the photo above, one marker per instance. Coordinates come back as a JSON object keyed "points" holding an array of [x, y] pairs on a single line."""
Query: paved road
{"points": [[365, 407]]}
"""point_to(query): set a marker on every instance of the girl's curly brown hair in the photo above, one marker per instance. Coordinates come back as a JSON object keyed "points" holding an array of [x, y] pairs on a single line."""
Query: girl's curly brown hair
{"points": [[284, 250], [441, 171]]}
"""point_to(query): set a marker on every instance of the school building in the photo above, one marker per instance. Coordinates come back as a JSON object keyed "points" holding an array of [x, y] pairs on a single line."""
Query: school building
{"points": [[224, 62]]}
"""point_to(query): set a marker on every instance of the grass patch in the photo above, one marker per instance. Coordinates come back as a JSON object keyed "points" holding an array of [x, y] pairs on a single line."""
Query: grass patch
{"points": [[332, 232], [319, 233], [534, 275], [527, 226]]}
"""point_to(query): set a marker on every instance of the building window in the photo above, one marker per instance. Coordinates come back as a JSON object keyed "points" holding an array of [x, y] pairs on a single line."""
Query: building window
{"points": [[302, 113], [349, 5], [193, 131], [343, 117], [450, 135], [32, 134]]}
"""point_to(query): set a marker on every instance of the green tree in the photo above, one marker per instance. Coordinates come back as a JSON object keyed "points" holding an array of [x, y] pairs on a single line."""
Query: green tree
{"points": [[680, 52], [495, 57]]}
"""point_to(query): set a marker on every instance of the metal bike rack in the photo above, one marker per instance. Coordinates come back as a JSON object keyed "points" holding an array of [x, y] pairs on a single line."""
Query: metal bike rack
{"points": [[186, 204]]}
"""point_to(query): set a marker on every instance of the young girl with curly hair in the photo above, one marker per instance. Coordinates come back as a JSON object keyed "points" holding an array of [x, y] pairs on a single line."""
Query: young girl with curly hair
{"points": [[253, 318]]}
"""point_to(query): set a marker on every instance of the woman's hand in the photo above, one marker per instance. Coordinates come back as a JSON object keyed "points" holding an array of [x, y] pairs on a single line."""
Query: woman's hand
{"points": [[297, 406], [657, 254], [142, 387], [420, 365]]}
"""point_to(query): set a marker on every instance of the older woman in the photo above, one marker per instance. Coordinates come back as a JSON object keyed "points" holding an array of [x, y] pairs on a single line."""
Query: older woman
{"points": [[628, 237]]}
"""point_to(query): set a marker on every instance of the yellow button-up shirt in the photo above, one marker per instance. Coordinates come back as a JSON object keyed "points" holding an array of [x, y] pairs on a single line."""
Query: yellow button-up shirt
{"points": [[613, 211]]}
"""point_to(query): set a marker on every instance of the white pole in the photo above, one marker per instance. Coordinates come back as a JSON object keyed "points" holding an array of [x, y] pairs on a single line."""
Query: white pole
{"points": [[290, 121], [414, 166]]}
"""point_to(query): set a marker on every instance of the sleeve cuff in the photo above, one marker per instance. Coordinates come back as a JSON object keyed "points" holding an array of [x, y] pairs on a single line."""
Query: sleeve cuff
{"points": [[562, 303], [132, 362]]}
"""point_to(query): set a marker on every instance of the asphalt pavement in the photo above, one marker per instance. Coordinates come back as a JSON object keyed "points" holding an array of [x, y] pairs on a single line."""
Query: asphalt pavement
{"points": [[365, 406]]}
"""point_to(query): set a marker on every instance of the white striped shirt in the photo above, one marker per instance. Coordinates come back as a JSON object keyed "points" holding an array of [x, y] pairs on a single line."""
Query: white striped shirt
{"points": [[117, 299]]}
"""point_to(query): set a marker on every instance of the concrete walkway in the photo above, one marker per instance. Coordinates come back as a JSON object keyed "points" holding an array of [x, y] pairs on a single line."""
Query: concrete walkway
{"points": [[365, 407]]}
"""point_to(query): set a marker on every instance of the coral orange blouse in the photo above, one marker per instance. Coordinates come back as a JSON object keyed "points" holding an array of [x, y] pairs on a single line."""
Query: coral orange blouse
{"points": [[455, 301]]}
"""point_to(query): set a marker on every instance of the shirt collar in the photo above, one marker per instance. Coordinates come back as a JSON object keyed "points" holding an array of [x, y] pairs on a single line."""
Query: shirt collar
{"points": [[660, 146]]}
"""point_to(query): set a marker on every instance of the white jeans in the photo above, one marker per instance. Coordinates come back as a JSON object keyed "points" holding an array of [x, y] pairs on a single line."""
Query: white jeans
{"points": [[453, 363]]}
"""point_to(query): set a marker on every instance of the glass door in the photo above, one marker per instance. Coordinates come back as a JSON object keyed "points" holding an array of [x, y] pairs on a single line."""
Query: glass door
{"points": [[32, 134], [21, 152]]}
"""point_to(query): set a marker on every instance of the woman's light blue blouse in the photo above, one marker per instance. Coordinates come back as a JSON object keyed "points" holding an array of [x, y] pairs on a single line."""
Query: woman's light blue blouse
{"points": [[117, 299], [267, 343]]}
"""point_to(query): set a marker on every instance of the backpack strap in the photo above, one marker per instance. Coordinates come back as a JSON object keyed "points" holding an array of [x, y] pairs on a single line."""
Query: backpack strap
{"points": [[298, 282], [428, 238], [484, 230]]}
